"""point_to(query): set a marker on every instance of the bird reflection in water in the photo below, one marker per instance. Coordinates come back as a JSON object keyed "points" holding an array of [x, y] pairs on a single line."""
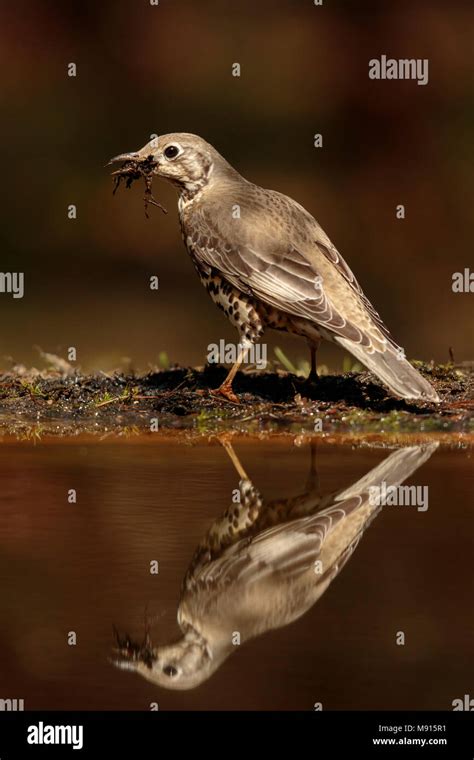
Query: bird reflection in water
{"points": [[261, 566]]}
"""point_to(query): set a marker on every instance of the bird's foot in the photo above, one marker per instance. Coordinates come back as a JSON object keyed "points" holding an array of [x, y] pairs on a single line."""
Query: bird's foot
{"points": [[310, 383], [225, 391]]}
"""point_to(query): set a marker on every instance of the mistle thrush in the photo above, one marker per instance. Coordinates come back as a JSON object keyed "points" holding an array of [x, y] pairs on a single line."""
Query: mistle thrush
{"points": [[267, 263], [260, 567]]}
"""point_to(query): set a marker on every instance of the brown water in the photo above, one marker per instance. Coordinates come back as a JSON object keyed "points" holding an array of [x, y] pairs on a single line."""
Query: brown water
{"points": [[83, 567]]}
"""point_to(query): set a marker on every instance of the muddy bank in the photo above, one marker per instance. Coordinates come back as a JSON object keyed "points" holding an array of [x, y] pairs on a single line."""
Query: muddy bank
{"points": [[34, 404]]}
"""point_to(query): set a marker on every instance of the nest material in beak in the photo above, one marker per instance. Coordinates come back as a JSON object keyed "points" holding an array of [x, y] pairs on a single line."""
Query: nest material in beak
{"points": [[133, 169], [131, 652]]}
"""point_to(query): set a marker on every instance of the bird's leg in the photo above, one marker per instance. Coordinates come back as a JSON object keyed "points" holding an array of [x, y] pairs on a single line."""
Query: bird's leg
{"points": [[312, 483], [313, 375], [234, 458], [226, 387]]}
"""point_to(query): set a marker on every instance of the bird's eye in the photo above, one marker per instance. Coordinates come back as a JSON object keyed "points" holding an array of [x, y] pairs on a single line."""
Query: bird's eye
{"points": [[171, 151], [170, 671]]}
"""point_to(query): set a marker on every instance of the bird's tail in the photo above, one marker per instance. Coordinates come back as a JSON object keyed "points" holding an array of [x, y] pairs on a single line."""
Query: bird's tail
{"points": [[393, 370], [393, 470]]}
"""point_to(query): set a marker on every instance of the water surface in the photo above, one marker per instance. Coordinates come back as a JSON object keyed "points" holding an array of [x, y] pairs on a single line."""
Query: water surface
{"points": [[83, 567]]}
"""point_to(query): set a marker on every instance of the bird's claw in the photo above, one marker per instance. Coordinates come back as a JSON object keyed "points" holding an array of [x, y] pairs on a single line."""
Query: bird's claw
{"points": [[225, 391]]}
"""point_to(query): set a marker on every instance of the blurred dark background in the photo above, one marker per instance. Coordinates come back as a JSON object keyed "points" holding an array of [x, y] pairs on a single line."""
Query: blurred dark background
{"points": [[144, 69]]}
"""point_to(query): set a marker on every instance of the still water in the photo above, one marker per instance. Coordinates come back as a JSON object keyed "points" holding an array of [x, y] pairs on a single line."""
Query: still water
{"points": [[292, 586]]}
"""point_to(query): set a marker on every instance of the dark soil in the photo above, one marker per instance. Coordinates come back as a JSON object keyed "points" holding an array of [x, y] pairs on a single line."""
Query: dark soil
{"points": [[33, 404]]}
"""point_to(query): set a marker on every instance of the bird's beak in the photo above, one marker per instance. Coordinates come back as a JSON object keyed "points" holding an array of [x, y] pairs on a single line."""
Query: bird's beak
{"points": [[124, 157], [123, 664]]}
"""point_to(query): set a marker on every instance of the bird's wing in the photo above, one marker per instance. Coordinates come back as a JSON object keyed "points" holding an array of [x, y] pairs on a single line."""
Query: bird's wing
{"points": [[330, 535], [279, 254], [288, 549]]}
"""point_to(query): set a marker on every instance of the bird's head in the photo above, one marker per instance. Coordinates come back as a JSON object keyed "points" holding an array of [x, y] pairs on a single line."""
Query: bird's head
{"points": [[184, 159], [183, 665]]}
